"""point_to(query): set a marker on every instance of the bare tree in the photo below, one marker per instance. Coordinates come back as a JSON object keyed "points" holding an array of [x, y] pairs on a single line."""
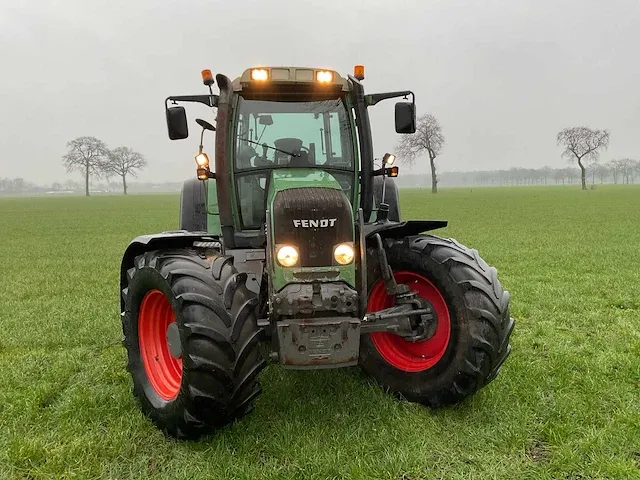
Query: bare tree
{"points": [[86, 154], [428, 138], [582, 142], [593, 168], [72, 186], [123, 161], [603, 172], [627, 168]]}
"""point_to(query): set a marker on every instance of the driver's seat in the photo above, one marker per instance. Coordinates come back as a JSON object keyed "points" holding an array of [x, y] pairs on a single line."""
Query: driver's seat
{"points": [[301, 160], [287, 145]]}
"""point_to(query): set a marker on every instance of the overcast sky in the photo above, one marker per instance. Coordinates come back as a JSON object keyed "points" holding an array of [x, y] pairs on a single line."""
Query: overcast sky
{"points": [[501, 76]]}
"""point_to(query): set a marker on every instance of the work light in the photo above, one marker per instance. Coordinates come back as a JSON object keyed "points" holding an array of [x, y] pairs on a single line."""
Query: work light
{"points": [[259, 74], [202, 160], [324, 76]]}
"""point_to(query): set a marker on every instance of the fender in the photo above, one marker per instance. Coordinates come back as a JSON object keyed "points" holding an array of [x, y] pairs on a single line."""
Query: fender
{"points": [[147, 243], [407, 228]]}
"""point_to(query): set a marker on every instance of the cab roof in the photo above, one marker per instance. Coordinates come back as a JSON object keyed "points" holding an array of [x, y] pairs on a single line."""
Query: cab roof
{"points": [[290, 76]]}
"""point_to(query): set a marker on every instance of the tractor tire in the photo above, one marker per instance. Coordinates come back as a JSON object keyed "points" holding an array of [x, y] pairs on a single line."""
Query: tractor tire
{"points": [[193, 206], [471, 340], [192, 341], [390, 196]]}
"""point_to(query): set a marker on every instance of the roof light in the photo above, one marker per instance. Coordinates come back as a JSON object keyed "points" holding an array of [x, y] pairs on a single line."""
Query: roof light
{"points": [[207, 77], [324, 76], [259, 74], [358, 72]]}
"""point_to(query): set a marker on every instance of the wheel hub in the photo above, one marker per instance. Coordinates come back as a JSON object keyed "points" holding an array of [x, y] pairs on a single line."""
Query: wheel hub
{"points": [[173, 340]]}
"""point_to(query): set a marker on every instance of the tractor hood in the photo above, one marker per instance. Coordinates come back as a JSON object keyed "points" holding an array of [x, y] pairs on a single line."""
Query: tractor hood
{"points": [[302, 177], [310, 212]]}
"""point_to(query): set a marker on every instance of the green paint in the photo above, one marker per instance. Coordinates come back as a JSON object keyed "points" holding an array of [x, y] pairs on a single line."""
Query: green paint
{"points": [[283, 275], [282, 179], [304, 178], [213, 214], [355, 200]]}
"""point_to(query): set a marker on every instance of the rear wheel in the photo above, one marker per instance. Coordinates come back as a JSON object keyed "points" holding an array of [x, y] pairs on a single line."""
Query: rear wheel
{"points": [[471, 340], [192, 340], [391, 197], [193, 206]]}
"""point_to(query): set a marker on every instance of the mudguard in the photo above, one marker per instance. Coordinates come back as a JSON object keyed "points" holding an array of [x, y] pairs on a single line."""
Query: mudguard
{"points": [[407, 228], [146, 243]]}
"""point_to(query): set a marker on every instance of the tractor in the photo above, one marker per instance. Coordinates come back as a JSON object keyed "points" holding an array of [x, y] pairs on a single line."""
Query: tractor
{"points": [[291, 249]]}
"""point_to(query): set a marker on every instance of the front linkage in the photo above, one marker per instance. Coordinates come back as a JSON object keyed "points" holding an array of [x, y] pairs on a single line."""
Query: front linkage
{"points": [[412, 317]]}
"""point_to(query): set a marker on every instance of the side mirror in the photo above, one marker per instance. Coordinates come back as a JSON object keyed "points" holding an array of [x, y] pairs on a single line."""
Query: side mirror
{"points": [[177, 123], [405, 117], [265, 120]]}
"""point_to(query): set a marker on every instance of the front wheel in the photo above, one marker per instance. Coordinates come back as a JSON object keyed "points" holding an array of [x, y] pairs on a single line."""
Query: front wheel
{"points": [[191, 335], [471, 340]]}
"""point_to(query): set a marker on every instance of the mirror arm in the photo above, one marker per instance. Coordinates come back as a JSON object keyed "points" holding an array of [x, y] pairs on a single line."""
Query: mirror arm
{"points": [[208, 100], [384, 171], [374, 98]]}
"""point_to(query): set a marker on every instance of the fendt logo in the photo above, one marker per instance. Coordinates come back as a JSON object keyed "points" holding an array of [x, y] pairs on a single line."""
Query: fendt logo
{"points": [[322, 223]]}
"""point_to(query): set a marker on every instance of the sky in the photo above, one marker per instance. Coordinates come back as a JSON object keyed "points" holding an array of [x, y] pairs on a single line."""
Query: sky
{"points": [[502, 77]]}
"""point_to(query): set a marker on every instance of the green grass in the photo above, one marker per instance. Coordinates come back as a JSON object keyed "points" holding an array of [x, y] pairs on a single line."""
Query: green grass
{"points": [[566, 405]]}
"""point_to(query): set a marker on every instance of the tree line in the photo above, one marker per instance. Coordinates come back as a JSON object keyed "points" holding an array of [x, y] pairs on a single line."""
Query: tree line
{"points": [[92, 157], [614, 172], [582, 145]]}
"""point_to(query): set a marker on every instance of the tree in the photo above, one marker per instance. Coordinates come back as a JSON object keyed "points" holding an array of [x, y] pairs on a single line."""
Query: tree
{"points": [[582, 142], [593, 168], [428, 138], [72, 186], [18, 185], [627, 168], [125, 161], [87, 155], [615, 168], [603, 172]]}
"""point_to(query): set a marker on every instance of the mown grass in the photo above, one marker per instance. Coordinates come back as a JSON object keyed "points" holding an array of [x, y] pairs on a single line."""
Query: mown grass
{"points": [[566, 405]]}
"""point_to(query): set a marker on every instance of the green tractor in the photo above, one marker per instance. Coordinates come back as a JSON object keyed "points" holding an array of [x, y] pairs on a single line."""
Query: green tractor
{"points": [[291, 249]]}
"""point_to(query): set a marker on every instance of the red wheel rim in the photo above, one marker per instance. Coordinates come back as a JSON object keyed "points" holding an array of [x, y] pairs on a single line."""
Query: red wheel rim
{"points": [[404, 355], [163, 370]]}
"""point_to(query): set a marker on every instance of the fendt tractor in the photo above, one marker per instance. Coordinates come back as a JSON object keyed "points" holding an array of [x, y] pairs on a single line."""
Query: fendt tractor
{"points": [[291, 249]]}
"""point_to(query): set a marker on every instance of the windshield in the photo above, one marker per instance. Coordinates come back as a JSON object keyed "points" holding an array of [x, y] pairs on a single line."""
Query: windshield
{"points": [[293, 134], [272, 135]]}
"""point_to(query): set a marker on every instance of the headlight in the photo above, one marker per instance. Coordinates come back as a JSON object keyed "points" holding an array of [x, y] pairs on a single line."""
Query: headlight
{"points": [[287, 256], [344, 254]]}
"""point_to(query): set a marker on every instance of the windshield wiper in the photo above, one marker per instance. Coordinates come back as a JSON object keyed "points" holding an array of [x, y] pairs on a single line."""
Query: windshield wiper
{"points": [[264, 145]]}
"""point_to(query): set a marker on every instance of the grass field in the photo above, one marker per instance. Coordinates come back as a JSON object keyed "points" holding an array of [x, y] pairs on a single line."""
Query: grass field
{"points": [[566, 405]]}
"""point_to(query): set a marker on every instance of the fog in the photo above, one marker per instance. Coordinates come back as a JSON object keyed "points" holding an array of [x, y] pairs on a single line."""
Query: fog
{"points": [[502, 77]]}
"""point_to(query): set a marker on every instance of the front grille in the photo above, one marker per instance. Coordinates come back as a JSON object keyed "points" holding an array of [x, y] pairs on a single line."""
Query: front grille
{"points": [[314, 219]]}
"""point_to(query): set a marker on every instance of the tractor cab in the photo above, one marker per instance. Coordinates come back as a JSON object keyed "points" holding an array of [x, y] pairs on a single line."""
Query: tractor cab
{"points": [[289, 118]]}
